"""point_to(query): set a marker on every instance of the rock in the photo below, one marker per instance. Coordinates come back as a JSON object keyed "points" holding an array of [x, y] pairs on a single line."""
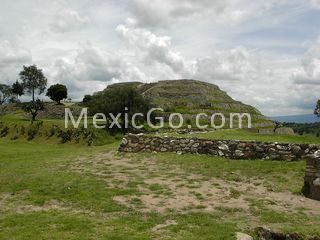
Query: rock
{"points": [[163, 149], [296, 150], [124, 141], [267, 234], [311, 188], [317, 154], [316, 182], [196, 145], [224, 147], [284, 147], [284, 131], [179, 153], [238, 153], [220, 153], [259, 149], [243, 236]]}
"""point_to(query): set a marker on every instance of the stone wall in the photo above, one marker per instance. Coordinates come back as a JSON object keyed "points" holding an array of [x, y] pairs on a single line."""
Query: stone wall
{"points": [[233, 149], [311, 187]]}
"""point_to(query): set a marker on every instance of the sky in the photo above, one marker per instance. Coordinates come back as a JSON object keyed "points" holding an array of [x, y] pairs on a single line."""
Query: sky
{"points": [[265, 53]]}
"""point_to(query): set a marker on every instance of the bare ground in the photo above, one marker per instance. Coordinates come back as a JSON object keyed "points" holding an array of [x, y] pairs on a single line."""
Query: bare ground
{"points": [[165, 187]]}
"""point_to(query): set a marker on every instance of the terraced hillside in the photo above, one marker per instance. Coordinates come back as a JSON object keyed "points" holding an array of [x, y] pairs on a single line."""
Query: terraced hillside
{"points": [[190, 97]]}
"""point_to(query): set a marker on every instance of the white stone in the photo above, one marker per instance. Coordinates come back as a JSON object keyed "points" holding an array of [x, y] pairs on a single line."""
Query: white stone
{"points": [[223, 147], [238, 153], [316, 182], [179, 152], [317, 154], [243, 236], [124, 141]]}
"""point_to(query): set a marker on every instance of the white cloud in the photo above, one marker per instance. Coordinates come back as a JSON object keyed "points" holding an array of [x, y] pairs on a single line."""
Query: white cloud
{"points": [[233, 64], [309, 72], [67, 20], [13, 54], [152, 48], [152, 13], [315, 3], [12, 57]]}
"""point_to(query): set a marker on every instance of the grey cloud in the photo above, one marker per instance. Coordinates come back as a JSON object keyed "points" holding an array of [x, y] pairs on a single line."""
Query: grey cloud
{"points": [[13, 54], [234, 64], [68, 20], [309, 71], [12, 57]]}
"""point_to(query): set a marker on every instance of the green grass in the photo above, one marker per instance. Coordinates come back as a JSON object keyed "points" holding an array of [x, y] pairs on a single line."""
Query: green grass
{"points": [[241, 134], [47, 130], [34, 173], [38, 169], [276, 175]]}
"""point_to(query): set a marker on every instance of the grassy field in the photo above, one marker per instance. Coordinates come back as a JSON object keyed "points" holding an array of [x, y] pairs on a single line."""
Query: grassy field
{"points": [[68, 191], [241, 134], [50, 190]]}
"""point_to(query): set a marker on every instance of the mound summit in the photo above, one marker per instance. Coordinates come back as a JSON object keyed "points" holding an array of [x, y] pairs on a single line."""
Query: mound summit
{"points": [[190, 97]]}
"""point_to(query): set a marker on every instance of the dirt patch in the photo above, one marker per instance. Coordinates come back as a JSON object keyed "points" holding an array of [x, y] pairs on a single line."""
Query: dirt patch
{"points": [[162, 187], [164, 225]]}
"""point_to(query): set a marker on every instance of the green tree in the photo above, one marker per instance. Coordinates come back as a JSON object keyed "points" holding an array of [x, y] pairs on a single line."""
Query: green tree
{"points": [[317, 109], [17, 89], [86, 99], [33, 79], [5, 93], [33, 108], [123, 100], [57, 92]]}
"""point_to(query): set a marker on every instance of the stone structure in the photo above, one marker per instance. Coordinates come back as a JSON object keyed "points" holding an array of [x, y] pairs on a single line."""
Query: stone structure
{"points": [[233, 149], [311, 186]]}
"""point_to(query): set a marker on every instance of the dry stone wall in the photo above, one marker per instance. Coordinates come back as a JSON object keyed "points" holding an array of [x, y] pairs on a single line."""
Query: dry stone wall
{"points": [[233, 149], [311, 186]]}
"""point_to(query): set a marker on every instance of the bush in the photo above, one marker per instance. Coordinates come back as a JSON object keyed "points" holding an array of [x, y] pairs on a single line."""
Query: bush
{"points": [[65, 136], [4, 132], [22, 130], [32, 132], [15, 137], [53, 131]]}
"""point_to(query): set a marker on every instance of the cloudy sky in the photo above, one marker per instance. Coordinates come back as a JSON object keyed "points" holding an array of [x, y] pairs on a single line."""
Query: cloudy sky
{"points": [[265, 53]]}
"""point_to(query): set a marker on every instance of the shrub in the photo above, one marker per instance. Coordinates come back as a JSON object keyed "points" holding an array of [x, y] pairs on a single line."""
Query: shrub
{"points": [[22, 130], [32, 132], [65, 136], [15, 137], [53, 131], [4, 132]]}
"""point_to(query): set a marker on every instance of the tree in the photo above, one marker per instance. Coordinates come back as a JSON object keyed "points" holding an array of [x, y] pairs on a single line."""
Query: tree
{"points": [[5, 93], [17, 89], [86, 99], [33, 79], [317, 109], [57, 92], [123, 100], [33, 108]]}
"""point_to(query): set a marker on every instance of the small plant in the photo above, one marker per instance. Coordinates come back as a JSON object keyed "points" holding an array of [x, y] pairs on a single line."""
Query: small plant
{"points": [[90, 138], [22, 130], [32, 132], [15, 137], [53, 131], [65, 136], [4, 132]]}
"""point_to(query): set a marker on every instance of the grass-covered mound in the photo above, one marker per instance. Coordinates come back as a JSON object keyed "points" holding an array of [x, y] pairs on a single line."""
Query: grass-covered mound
{"points": [[17, 126]]}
